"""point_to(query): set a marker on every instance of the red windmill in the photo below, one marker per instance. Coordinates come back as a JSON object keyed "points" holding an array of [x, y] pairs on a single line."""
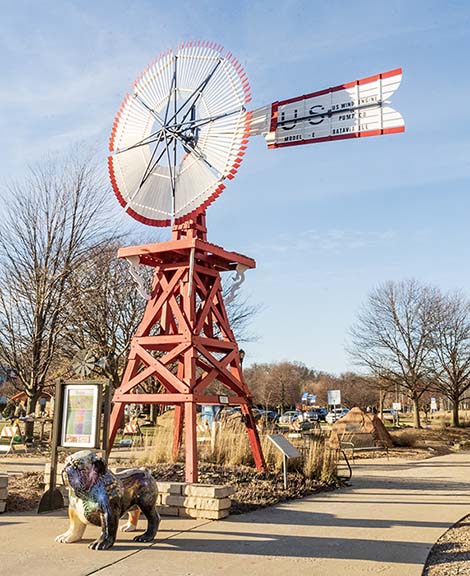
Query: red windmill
{"points": [[178, 135]]}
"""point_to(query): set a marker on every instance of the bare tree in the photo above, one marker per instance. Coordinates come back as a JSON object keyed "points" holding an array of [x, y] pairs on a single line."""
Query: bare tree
{"points": [[451, 349], [360, 390], [393, 337], [278, 384], [241, 312], [52, 219], [320, 384], [258, 379], [105, 310]]}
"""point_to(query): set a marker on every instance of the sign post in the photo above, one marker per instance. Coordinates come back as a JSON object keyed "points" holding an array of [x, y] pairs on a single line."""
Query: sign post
{"points": [[334, 398], [397, 407], [77, 419]]}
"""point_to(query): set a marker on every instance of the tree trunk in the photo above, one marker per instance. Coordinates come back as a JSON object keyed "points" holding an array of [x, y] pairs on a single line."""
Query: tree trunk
{"points": [[455, 412], [416, 417], [29, 424], [381, 404], [31, 404], [154, 409]]}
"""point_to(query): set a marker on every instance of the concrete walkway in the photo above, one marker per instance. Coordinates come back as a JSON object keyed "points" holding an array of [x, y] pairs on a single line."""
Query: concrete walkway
{"points": [[384, 523]]}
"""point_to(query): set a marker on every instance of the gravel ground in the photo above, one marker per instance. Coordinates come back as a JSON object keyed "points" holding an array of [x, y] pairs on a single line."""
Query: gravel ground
{"points": [[450, 555]]}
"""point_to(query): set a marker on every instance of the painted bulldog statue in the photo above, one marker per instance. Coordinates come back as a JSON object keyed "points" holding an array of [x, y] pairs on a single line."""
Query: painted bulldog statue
{"points": [[99, 497]]}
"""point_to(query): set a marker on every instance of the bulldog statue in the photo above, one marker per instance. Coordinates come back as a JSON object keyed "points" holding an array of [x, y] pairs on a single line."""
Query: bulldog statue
{"points": [[99, 497]]}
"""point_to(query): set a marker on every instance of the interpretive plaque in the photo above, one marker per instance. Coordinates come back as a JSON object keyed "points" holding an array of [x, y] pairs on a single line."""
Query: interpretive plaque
{"points": [[80, 415], [284, 446]]}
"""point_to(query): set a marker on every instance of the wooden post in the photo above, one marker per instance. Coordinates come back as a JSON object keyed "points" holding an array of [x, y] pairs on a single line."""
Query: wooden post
{"points": [[190, 439], [177, 430]]}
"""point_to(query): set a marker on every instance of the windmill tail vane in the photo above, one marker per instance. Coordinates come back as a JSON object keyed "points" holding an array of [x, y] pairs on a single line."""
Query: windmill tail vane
{"points": [[353, 110]]}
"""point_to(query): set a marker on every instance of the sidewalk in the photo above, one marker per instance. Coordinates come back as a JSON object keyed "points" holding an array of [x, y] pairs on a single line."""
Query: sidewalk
{"points": [[384, 523]]}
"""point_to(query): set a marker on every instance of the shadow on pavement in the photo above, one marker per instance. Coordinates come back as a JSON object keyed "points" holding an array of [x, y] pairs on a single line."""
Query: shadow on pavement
{"points": [[439, 483], [259, 544], [301, 518]]}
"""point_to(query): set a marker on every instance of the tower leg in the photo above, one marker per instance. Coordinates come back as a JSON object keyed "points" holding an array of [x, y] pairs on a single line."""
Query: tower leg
{"points": [[253, 437], [190, 441], [115, 420], [177, 430]]}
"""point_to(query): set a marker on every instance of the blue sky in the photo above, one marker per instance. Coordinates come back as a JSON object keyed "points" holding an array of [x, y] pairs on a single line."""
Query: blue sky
{"points": [[326, 222]]}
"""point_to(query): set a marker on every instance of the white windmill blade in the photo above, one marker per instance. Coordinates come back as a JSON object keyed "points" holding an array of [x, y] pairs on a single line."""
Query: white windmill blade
{"points": [[354, 110], [179, 134]]}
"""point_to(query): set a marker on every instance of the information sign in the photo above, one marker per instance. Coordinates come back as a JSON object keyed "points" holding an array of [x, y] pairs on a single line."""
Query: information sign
{"points": [[307, 398], [284, 446], [334, 397], [396, 406], [287, 450], [80, 415]]}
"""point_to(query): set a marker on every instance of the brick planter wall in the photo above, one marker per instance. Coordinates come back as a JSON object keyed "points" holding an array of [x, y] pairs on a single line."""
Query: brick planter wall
{"points": [[174, 498], [194, 500]]}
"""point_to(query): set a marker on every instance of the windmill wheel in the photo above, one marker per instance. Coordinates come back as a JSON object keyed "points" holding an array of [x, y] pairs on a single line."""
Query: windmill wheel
{"points": [[83, 363], [181, 132]]}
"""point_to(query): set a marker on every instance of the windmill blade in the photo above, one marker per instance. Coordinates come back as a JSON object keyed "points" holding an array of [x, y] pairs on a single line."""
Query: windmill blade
{"points": [[354, 110], [83, 363]]}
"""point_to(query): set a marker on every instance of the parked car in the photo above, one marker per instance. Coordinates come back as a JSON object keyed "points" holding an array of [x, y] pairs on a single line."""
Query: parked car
{"points": [[288, 417], [317, 413], [311, 415], [270, 415], [335, 415]]}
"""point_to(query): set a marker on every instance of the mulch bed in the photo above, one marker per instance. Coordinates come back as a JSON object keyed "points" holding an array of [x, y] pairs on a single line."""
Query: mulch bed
{"points": [[25, 491], [253, 489]]}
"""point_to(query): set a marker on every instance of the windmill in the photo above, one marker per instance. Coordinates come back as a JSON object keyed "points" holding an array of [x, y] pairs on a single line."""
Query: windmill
{"points": [[83, 363], [179, 135]]}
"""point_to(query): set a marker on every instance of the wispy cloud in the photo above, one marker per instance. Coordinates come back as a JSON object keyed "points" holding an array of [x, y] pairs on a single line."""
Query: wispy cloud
{"points": [[332, 241]]}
